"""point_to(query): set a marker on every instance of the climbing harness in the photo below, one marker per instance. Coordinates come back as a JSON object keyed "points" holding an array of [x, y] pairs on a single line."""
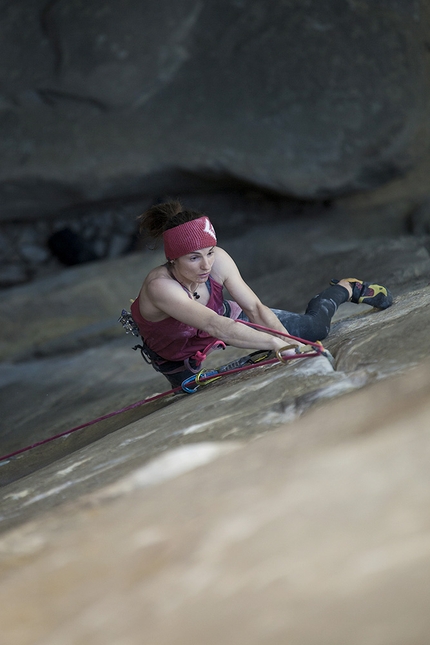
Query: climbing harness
{"points": [[160, 364]]}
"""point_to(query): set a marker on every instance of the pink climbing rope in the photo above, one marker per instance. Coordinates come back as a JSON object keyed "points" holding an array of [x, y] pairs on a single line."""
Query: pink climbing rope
{"points": [[319, 350], [90, 423]]}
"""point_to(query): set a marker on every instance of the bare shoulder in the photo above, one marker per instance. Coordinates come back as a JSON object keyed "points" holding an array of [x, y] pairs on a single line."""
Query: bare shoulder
{"points": [[157, 286], [223, 265], [158, 273]]}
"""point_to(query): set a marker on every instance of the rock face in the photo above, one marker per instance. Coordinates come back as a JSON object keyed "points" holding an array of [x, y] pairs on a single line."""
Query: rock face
{"points": [[313, 522], [302, 98], [62, 343], [309, 535]]}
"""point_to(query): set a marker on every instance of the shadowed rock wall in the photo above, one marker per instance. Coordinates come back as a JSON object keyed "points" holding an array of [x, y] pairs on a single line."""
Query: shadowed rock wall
{"points": [[103, 99]]}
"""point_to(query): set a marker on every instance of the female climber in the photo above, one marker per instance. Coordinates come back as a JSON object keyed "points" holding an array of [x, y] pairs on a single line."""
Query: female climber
{"points": [[181, 313]]}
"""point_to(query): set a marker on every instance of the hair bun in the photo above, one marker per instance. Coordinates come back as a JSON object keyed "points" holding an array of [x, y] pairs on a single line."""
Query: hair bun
{"points": [[161, 217]]}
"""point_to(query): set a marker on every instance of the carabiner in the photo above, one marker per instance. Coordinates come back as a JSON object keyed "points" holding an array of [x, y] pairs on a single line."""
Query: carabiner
{"points": [[184, 383], [284, 349]]}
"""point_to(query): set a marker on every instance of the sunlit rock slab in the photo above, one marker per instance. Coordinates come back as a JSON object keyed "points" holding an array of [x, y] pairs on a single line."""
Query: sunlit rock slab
{"points": [[311, 534], [368, 346], [241, 408]]}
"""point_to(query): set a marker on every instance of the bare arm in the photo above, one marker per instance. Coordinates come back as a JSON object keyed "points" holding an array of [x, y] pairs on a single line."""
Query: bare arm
{"points": [[170, 298], [256, 311]]}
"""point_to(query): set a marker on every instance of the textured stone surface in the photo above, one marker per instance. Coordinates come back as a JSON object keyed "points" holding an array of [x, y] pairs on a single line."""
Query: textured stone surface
{"points": [[101, 100], [367, 347], [312, 523], [67, 309], [317, 533], [72, 349]]}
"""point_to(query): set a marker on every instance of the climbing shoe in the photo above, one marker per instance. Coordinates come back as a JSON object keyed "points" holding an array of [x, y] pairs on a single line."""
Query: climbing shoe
{"points": [[371, 294]]}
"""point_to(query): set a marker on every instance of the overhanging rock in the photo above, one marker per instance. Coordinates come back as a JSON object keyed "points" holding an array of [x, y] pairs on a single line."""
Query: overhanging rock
{"points": [[305, 99]]}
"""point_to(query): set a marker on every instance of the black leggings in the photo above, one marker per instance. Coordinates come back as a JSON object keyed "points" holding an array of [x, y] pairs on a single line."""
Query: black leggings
{"points": [[313, 325]]}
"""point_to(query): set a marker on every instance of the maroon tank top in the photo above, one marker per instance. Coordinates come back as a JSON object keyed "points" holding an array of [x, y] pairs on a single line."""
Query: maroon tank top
{"points": [[172, 339]]}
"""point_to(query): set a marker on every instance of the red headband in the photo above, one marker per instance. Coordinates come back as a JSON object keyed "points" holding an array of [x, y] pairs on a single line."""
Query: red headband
{"points": [[188, 237]]}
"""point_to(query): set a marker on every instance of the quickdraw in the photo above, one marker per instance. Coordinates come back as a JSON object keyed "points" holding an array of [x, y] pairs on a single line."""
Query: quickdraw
{"points": [[128, 323], [307, 349]]}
